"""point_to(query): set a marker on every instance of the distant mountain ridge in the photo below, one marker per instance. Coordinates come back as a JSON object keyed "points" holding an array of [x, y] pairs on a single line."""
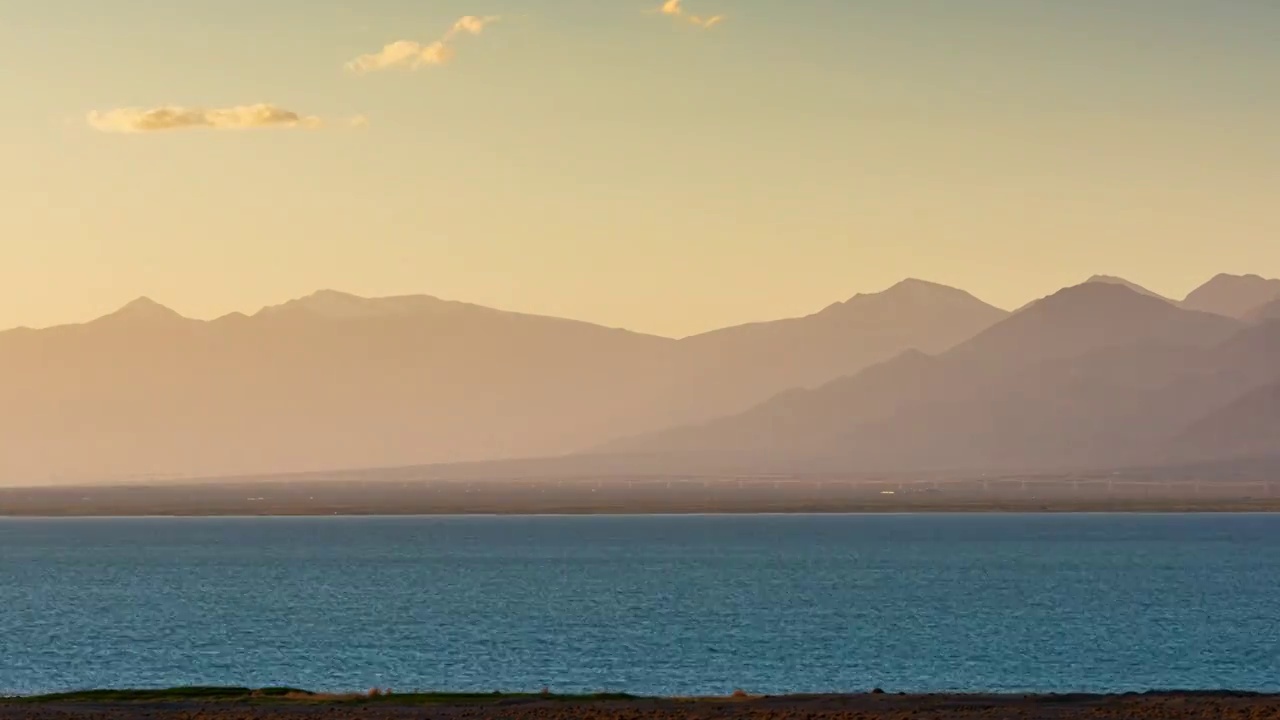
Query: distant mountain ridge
{"points": [[333, 380], [917, 376]]}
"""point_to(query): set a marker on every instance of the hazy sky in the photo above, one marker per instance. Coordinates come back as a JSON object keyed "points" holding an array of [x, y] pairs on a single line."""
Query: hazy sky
{"points": [[598, 159]]}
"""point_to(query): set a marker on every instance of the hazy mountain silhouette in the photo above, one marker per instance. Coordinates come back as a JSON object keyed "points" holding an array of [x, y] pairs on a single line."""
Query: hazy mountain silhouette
{"points": [[333, 381], [1070, 380], [919, 376], [330, 381], [1233, 295]]}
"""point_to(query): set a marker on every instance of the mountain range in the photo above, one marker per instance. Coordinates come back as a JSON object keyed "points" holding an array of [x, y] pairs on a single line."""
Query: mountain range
{"points": [[1095, 375], [918, 376]]}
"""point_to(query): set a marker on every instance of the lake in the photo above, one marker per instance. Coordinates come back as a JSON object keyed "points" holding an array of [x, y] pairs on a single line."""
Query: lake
{"points": [[653, 605]]}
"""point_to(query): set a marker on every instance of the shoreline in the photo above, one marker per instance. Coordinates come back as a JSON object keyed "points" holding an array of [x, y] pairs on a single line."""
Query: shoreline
{"points": [[293, 704]]}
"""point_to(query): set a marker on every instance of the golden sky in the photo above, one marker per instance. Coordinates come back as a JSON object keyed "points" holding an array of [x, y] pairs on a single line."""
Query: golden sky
{"points": [[667, 167]]}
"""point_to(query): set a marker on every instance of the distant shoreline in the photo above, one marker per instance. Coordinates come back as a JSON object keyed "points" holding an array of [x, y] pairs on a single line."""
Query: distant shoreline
{"points": [[1225, 508], [415, 495]]}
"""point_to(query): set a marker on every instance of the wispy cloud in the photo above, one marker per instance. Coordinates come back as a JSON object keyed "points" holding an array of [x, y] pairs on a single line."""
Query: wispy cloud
{"points": [[413, 55], [675, 8], [242, 117]]}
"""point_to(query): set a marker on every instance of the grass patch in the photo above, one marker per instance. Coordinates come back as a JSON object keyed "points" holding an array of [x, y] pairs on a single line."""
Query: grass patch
{"points": [[417, 698], [295, 695], [183, 693]]}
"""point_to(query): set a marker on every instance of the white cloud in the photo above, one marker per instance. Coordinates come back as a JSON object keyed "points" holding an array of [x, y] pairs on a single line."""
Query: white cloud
{"points": [[675, 8], [242, 117], [471, 24], [403, 53], [413, 55]]}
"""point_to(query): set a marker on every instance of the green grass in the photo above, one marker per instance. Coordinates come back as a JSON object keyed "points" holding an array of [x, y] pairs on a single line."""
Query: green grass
{"points": [[294, 695]]}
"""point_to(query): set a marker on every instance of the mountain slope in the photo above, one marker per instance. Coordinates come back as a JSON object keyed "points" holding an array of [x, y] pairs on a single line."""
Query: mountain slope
{"points": [[737, 367], [1065, 382], [1264, 313], [1233, 295], [1247, 426]]}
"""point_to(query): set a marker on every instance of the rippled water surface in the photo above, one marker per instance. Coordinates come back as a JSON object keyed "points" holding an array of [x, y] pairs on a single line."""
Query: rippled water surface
{"points": [[644, 604]]}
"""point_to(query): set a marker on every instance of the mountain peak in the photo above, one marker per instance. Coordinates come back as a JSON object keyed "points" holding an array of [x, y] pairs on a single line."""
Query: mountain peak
{"points": [[1228, 277], [1087, 288], [916, 285], [1093, 294], [143, 303], [1114, 280], [329, 295], [913, 290], [332, 299], [335, 304], [1093, 314], [325, 303], [1233, 295], [143, 309]]}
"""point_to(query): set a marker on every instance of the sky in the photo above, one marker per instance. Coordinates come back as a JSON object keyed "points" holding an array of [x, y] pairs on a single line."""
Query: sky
{"points": [[722, 162]]}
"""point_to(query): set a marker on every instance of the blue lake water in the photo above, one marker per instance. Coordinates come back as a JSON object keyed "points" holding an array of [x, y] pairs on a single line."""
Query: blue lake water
{"points": [[658, 605]]}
